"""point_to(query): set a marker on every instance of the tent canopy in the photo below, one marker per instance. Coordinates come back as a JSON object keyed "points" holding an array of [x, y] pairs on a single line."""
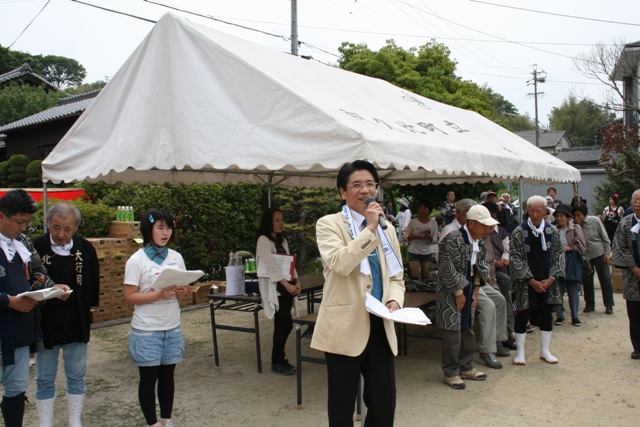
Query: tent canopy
{"points": [[195, 105]]}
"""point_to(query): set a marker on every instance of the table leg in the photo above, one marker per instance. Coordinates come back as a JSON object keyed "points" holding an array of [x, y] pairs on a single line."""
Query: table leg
{"points": [[299, 365], [213, 332], [257, 332]]}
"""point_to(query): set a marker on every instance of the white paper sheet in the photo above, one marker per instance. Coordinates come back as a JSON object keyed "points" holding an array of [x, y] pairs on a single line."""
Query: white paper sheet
{"points": [[410, 315], [175, 276], [284, 264], [45, 294]]}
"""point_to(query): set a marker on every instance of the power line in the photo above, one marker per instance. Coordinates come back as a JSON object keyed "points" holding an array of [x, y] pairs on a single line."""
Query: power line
{"points": [[115, 11], [218, 20], [29, 24], [556, 14]]}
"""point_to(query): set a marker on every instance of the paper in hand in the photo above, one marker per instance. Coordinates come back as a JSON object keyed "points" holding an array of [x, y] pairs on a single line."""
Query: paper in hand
{"points": [[175, 276], [410, 315], [45, 294]]}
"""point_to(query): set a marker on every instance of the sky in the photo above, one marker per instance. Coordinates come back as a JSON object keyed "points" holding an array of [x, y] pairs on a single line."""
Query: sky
{"points": [[494, 42]]}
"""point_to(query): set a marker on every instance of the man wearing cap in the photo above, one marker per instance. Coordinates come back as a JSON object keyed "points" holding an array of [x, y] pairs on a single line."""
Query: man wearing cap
{"points": [[535, 262], [463, 263], [359, 258]]}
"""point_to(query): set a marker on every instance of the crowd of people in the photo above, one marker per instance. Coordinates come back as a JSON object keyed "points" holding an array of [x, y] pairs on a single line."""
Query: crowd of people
{"points": [[497, 278]]}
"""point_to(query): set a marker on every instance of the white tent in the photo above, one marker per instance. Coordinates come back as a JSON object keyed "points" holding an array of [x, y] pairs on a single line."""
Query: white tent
{"points": [[194, 105]]}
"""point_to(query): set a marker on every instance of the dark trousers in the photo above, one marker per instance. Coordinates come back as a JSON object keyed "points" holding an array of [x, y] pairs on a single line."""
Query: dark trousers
{"points": [[544, 312], [604, 275], [282, 325], [458, 348], [149, 375], [504, 283], [377, 367], [633, 311]]}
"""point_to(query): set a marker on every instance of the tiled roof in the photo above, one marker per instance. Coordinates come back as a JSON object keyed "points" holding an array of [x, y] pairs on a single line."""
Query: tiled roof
{"points": [[65, 107], [547, 138], [24, 73], [580, 154]]}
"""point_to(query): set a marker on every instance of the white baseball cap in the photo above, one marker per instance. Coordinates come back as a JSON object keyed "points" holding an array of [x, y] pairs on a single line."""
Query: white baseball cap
{"points": [[481, 214]]}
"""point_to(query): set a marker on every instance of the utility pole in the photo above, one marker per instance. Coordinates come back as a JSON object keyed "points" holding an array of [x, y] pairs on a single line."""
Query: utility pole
{"points": [[538, 77], [294, 27]]}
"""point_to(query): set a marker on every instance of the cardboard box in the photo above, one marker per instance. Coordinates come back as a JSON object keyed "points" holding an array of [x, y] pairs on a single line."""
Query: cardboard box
{"points": [[126, 229], [119, 247], [133, 246], [105, 282], [118, 262], [104, 298], [104, 261], [103, 245], [129, 309], [616, 279], [100, 314], [201, 292], [117, 297], [119, 312], [117, 280], [185, 300]]}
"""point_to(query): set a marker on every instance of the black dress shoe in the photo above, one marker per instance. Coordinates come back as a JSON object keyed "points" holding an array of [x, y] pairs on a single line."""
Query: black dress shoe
{"points": [[511, 345], [609, 310], [588, 309], [635, 355]]}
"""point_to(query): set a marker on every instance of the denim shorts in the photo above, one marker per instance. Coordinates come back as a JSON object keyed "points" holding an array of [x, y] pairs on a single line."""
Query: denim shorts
{"points": [[153, 348], [420, 258]]}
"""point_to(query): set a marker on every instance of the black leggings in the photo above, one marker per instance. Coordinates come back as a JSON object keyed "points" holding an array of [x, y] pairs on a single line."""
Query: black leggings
{"points": [[163, 374], [282, 325], [544, 312]]}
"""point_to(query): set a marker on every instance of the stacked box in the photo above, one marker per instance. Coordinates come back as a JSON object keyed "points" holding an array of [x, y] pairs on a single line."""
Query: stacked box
{"points": [[185, 300], [201, 293], [126, 229], [105, 281], [117, 280], [119, 247], [104, 261], [133, 245], [118, 262], [119, 312], [104, 298], [100, 314], [117, 296]]}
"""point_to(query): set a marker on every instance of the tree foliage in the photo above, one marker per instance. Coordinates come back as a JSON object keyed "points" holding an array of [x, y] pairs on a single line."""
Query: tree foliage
{"points": [[427, 71], [86, 87], [62, 71], [581, 119], [19, 101], [506, 114], [621, 161]]}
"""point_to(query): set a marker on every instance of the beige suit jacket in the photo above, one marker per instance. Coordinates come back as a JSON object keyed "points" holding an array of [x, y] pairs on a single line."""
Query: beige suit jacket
{"points": [[343, 322]]}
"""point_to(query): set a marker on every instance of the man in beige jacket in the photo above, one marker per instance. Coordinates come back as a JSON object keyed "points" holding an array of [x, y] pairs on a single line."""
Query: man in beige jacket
{"points": [[358, 258]]}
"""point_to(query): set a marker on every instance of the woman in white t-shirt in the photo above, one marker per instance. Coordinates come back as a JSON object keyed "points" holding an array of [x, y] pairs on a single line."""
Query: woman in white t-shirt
{"points": [[278, 293], [155, 342], [421, 233]]}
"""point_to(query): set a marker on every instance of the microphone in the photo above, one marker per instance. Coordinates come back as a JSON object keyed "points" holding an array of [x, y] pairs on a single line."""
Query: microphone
{"points": [[381, 221]]}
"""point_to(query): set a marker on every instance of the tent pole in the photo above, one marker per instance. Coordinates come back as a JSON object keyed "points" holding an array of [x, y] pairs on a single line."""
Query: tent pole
{"points": [[44, 198], [520, 199]]}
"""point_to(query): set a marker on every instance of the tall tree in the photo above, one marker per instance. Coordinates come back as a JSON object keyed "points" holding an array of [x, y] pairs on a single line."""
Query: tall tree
{"points": [[603, 62], [86, 87], [427, 71], [62, 71], [581, 119], [506, 114]]}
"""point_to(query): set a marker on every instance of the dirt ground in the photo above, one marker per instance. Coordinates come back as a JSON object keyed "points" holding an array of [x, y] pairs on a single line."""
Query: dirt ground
{"points": [[595, 383]]}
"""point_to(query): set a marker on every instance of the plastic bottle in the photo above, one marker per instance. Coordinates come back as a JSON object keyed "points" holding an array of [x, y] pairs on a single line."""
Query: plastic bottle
{"points": [[232, 260], [133, 217], [119, 213]]}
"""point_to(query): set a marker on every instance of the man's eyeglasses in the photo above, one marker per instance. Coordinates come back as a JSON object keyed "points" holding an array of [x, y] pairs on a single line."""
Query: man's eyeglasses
{"points": [[21, 224], [369, 185]]}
